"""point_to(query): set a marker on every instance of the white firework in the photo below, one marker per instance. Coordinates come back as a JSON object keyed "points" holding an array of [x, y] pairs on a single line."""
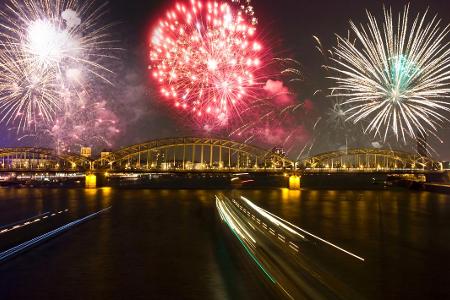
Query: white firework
{"points": [[50, 48], [27, 96], [337, 116], [395, 75]]}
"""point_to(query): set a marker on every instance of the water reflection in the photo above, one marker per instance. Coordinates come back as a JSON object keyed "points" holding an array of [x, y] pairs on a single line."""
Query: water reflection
{"points": [[397, 230], [169, 243]]}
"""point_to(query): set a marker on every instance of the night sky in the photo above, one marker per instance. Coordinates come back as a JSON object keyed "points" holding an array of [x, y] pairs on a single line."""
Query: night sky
{"points": [[286, 25]]}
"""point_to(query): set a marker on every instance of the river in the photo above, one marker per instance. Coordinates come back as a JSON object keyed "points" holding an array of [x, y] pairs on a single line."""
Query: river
{"points": [[171, 244]]}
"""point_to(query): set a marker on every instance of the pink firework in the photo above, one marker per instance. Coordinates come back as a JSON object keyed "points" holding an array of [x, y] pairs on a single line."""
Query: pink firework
{"points": [[204, 57]]}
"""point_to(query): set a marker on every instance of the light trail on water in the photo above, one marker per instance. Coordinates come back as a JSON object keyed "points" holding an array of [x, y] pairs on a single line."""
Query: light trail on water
{"points": [[296, 265], [283, 223], [46, 236], [22, 223]]}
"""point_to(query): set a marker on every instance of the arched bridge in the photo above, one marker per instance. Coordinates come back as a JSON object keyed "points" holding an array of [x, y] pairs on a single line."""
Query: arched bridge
{"points": [[41, 159], [193, 154], [369, 160], [197, 154]]}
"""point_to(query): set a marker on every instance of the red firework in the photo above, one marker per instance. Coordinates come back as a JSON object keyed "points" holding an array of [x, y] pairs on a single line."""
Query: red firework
{"points": [[204, 57]]}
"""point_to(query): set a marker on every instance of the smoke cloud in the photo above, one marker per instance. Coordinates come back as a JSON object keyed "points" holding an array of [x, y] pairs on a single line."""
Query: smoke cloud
{"points": [[279, 92]]}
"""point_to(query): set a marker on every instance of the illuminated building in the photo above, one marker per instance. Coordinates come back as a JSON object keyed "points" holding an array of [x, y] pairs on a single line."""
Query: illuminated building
{"points": [[86, 151], [279, 151], [105, 154]]}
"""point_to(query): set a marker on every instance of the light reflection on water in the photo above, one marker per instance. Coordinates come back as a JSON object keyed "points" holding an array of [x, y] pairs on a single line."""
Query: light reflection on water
{"points": [[402, 233], [170, 244]]}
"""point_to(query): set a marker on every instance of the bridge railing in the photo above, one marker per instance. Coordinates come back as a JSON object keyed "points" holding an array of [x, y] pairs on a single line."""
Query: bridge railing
{"points": [[211, 155], [192, 154], [369, 170]]}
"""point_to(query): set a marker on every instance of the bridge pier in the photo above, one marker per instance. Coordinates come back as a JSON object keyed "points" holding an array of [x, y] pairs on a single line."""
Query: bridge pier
{"points": [[91, 181], [294, 182]]}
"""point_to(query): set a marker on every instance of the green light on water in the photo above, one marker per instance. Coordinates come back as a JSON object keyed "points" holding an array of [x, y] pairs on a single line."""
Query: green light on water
{"points": [[251, 254]]}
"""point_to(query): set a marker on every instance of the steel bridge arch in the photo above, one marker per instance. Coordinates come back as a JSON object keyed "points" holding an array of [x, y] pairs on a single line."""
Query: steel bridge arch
{"points": [[137, 155], [370, 158], [36, 158]]}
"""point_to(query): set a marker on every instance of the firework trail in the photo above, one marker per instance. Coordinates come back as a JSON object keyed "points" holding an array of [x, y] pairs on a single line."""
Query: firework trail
{"points": [[395, 75], [49, 49], [274, 126], [204, 58], [332, 129], [279, 119]]}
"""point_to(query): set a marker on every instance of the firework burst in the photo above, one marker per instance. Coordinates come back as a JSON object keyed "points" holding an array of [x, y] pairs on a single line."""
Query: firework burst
{"points": [[204, 57], [49, 48], [395, 75], [336, 116], [92, 125], [27, 96]]}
